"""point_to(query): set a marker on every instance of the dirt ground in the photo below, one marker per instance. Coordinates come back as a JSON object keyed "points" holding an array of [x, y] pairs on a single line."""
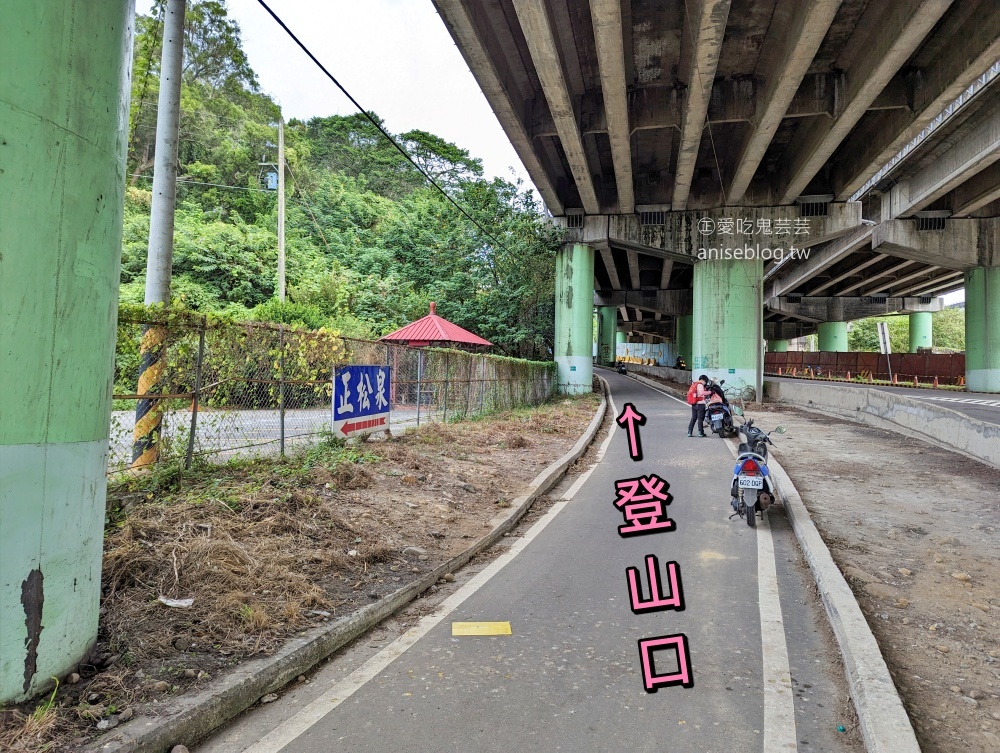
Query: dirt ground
{"points": [[914, 529], [267, 549]]}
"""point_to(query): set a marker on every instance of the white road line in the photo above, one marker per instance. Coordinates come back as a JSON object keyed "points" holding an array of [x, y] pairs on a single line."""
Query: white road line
{"points": [[779, 703], [296, 725]]}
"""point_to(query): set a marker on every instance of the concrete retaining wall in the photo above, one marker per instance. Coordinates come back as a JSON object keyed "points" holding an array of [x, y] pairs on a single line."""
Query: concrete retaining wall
{"points": [[895, 412], [661, 372]]}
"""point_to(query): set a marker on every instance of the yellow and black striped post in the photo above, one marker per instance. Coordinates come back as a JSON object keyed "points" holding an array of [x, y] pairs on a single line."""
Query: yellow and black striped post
{"points": [[149, 412]]}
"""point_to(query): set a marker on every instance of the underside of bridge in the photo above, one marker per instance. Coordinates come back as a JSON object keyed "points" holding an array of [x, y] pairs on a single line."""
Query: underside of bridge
{"points": [[694, 150]]}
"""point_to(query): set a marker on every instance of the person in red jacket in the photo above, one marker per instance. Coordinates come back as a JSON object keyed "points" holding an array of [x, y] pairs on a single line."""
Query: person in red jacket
{"points": [[696, 395]]}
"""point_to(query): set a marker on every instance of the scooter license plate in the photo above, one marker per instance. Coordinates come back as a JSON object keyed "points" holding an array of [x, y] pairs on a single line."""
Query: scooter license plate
{"points": [[751, 482]]}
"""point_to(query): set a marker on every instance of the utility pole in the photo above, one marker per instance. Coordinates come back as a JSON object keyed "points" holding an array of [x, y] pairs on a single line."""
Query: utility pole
{"points": [[149, 412], [281, 209]]}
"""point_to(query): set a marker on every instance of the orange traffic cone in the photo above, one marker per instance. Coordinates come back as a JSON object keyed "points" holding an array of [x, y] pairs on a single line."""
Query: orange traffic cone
{"points": [[935, 381], [916, 381], [848, 376], [779, 371], [895, 380]]}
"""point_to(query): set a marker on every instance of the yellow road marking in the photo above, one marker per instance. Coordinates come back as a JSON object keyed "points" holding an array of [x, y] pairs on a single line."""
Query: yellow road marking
{"points": [[480, 628]]}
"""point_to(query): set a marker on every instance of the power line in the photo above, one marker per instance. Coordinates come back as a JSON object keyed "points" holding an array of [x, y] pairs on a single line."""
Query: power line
{"points": [[375, 123]]}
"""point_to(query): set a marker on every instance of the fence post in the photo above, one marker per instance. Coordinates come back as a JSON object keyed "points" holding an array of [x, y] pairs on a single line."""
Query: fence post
{"points": [[197, 394], [420, 364], [468, 388], [281, 388], [482, 392], [447, 373]]}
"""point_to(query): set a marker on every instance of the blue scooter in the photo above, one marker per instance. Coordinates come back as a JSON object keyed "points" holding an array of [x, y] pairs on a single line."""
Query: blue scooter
{"points": [[752, 489]]}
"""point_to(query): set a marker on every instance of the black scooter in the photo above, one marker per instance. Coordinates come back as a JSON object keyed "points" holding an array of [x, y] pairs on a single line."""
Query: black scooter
{"points": [[620, 367]]}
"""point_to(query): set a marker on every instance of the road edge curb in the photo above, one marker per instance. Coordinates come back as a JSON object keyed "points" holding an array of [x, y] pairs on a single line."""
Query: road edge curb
{"points": [[198, 715], [885, 725]]}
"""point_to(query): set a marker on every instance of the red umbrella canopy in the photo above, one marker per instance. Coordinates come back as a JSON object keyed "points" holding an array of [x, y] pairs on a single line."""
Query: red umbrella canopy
{"points": [[431, 330]]}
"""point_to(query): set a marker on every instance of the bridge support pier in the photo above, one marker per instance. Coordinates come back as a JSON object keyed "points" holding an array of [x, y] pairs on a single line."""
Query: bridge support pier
{"points": [[982, 329], [64, 119], [727, 328], [685, 323], [607, 318], [833, 337], [777, 346], [574, 330], [921, 328]]}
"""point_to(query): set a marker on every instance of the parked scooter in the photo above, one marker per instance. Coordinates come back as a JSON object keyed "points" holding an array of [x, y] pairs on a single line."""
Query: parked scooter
{"points": [[620, 367], [720, 418], [752, 490]]}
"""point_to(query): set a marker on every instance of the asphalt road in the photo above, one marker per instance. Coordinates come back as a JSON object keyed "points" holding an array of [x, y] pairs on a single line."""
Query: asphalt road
{"points": [[984, 406], [568, 677]]}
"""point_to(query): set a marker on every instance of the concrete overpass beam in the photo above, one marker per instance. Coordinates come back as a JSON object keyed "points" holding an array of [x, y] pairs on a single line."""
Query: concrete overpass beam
{"points": [[889, 44], [540, 37], [982, 189], [858, 269], [608, 38], [968, 53], [795, 34], [727, 330], [819, 260], [64, 120], [974, 152], [982, 329], [460, 16], [574, 328], [607, 256], [960, 245], [704, 29]]}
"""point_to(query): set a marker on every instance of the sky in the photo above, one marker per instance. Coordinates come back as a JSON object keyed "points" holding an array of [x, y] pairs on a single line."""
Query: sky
{"points": [[394, 56]]}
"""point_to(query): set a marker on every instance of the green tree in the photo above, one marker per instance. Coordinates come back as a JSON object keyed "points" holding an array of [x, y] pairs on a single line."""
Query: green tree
{"points": [[863, 334], [948, 329]]}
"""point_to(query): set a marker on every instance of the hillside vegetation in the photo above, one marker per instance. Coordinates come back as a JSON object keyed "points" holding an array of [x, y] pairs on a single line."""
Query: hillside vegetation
{"points": [[369, 242]]}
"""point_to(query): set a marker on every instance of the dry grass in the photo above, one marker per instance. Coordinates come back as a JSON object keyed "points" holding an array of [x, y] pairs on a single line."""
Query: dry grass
{"points": [[268, 548]]}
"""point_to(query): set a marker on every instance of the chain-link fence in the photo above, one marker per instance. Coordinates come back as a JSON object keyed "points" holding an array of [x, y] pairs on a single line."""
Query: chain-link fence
{"points": [[226, 389]]}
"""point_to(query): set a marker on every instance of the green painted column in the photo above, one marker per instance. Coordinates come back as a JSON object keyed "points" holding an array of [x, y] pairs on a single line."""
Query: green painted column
{"points": [[608, 317], [684, 329], [63, 129], [982, 329], [921, 328], [574, 331], [727, 337], [777, 346], [833, 337], [620, 339]]}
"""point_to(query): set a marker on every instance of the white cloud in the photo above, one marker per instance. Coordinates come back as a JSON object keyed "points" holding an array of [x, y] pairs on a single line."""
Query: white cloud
{"points": [[394, 56]]}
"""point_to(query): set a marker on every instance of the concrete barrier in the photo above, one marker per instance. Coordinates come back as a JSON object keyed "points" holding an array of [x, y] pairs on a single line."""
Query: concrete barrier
{"points": [[895, 412], [660, 372]]}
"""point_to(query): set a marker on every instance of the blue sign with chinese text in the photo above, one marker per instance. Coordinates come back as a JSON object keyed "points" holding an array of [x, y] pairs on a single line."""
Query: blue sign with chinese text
{"points": [[361, 397]]}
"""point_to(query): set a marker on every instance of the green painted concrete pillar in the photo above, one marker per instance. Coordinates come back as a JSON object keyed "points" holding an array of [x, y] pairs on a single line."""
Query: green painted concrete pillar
{"points": [[574, 333], [727, 331], [982, 329], [64, 125], [684, 329], [833, 337], [921, 327], [620, 339], [607, 331], [777, 346]]}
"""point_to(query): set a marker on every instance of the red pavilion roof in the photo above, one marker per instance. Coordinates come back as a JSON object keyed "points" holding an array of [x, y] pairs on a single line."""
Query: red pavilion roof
{"points": [[433, 329]]}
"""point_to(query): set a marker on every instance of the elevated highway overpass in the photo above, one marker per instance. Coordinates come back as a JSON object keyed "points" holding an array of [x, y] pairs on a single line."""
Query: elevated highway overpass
{"points": [[658, 133]]}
